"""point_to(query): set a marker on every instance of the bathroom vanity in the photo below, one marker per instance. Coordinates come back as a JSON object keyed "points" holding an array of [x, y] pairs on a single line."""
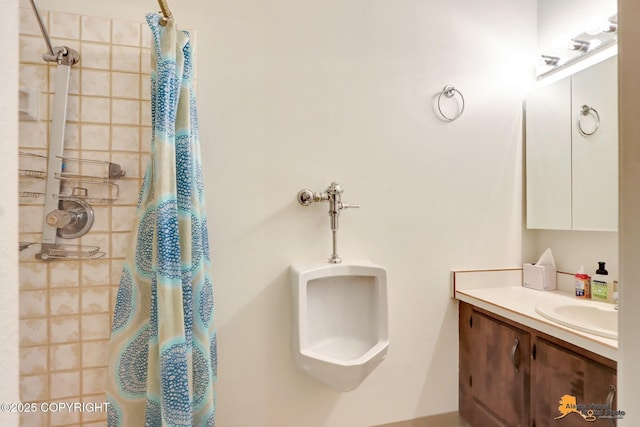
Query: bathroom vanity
{"points": [[516, 366], [513, 375]]}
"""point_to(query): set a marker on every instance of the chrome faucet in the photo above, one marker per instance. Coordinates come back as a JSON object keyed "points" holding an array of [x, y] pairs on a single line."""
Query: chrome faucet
{"points": [[333, 194]]}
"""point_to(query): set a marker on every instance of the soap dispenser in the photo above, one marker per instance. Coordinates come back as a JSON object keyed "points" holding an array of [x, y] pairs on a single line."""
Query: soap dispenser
{"points": [[601, 284]]}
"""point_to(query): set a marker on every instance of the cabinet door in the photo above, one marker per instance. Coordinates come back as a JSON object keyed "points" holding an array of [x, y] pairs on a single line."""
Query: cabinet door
{"points": [[558, 372], [595, 157], [500, 372], [548, 157]]}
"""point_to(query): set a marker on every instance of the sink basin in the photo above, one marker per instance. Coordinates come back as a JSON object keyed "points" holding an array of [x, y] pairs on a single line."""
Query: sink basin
{"points": [[593, 317]]}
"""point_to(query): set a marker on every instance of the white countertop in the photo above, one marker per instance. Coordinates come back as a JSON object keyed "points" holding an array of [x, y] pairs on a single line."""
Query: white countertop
{"points": [[518, 303]]}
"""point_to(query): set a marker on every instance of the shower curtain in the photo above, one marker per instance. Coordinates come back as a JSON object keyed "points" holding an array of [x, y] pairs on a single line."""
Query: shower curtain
{"points": [[162, 364]]}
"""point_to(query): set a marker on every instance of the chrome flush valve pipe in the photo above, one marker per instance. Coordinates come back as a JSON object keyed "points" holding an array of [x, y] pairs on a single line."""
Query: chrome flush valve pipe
{"points": [[333, 194]]}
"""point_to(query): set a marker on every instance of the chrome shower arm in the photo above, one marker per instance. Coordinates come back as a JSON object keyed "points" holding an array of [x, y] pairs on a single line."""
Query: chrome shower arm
{"points": [[43, 28]]}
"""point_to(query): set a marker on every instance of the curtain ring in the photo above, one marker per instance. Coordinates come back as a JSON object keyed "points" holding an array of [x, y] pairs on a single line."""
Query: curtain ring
{"points": [[449, 92], [585, 110]]}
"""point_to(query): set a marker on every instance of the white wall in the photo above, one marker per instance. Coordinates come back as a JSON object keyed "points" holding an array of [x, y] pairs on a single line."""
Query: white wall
{"points": [[9, 361], [298, 94]]}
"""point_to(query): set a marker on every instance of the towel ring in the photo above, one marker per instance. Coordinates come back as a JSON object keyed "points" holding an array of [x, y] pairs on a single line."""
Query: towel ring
{"points": [[449, 92], [585, 110]]}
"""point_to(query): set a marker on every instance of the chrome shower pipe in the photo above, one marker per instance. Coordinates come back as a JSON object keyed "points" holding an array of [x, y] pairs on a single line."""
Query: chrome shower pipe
{"points": [[43, 28]]}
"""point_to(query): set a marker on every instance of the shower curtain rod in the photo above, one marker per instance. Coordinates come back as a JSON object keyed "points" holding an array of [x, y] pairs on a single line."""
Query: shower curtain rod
{"points": [[166, 12]]}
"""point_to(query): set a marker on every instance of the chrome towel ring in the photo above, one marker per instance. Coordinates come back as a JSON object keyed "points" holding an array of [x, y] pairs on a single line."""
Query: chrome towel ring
{"points": [[585, 110], [449, 92]]}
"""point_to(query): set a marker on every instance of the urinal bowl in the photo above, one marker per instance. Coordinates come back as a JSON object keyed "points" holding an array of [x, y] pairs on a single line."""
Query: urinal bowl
{"points": [[340, 325]]}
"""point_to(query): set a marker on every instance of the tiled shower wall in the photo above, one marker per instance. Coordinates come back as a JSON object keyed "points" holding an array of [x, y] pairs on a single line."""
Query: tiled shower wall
{"points": [[66, 305]]}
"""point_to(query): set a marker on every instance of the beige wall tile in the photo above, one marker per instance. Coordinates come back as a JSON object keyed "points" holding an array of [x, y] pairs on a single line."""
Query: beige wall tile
{"points": [[100, 414], [33, 275], [72, 136], [125, 85], [96, 326], [124, 58], [125, 112], [147, 38], [64, 274], [125, 33], [93, 380], [96, 299], [119, 245], [95, 137], [145, 87], [31, 218], [125, 138], [73, 108], [63, 357], [101, 218], [95, 110], [64, 25], [33, 360], [31, 49], [33, 332], [95, 83], [33, 134], [129, 192], [95, 29], [145, 141], [64, 329], [64, 301], [122, 217], [116, 270], [34, 76], [34, 388], [95, 354], [145, 63], [65, 417], [28, 22], [33, 304], [34, 419], [96, 56], [64, 384], [145, 113]]}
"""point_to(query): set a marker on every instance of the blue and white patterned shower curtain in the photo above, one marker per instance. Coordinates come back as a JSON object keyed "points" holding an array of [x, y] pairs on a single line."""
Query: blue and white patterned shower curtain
{"points": [[162, 365]]}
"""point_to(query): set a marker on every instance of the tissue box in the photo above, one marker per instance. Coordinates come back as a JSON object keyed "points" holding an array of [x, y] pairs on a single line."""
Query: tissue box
{"points": [[541, 277]]}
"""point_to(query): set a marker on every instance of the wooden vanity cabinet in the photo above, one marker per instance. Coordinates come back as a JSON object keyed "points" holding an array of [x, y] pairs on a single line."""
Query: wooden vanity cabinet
{"points": [[514, 376]]}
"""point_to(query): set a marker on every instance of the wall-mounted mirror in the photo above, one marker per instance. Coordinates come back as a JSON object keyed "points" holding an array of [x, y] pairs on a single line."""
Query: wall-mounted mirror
{"points": [[572, 131]]}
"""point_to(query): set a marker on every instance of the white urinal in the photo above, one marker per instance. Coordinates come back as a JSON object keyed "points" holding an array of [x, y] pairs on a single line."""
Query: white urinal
{"points": [[340, 328]]}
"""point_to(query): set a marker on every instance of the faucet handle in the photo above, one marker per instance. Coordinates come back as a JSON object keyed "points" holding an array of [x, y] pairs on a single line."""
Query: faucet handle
{"points": [[348, 206]]}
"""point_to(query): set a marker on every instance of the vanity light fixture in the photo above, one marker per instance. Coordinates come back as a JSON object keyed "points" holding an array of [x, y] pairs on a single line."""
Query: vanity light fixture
{"points": [[600, 34], [549, 60], [579, 45]]}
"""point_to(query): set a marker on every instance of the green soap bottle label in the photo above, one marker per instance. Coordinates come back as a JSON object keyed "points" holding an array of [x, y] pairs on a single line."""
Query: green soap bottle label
{"points": [[599, 290]]}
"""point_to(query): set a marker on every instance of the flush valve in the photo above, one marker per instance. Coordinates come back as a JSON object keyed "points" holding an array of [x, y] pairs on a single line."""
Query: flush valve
{"points": [[333, 194]]}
